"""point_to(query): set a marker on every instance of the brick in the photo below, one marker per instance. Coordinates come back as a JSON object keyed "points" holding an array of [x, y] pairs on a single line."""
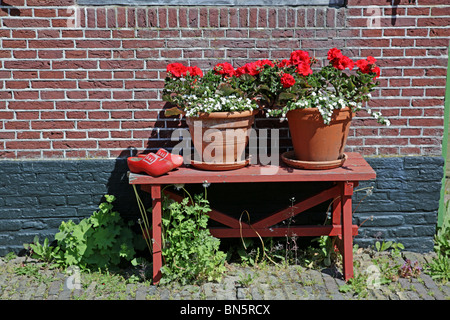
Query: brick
{"points": [[24, 105], [99, 43], [53, 84], [74, 144], [162, 17], [417, 52], [26, 22], [26, 64], [85, 105], [27, 144]]}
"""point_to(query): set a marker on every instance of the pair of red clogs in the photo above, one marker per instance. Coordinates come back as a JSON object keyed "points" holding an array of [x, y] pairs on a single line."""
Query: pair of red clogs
{"points": [[154, 164]]}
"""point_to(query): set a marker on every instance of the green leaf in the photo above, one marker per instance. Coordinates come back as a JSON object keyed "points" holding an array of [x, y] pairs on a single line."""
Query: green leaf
{"points": [[71, 258], [225, 89], [173, 112], [377, 246], [247, 77], [285, 96]]}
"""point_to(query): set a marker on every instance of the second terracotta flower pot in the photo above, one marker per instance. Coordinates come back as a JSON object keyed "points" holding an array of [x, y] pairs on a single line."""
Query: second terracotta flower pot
{"points": [[313, 140]]}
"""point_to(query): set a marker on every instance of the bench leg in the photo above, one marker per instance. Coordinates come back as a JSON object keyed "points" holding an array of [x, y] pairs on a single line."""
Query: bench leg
{"points": [[156, 232], [347, 236]]}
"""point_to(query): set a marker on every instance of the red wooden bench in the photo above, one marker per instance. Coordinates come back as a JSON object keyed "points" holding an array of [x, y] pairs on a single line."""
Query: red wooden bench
{"points": [[343, 179]]}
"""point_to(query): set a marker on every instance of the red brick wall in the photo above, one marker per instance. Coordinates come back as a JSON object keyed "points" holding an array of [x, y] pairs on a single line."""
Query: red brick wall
{"points": [[94, 89]]}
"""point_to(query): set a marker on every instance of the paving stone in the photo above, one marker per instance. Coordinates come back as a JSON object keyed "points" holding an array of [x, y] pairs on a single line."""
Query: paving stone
{"points": [[388, 293], [40, 292], [403, 295], [77, 293], [422, 291], [413, 295], [405, 283], [141, 293], [379, 295], [90, 291], [210, 291], [332, 287], [446, 290], [243, 293], [430, 284], [271, 283], [164, 294], [65, 294], [54, 288]]}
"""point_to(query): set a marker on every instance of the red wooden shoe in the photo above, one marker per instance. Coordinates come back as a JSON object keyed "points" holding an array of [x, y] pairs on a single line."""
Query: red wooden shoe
{"points": [[151, 164], [176, 160]]}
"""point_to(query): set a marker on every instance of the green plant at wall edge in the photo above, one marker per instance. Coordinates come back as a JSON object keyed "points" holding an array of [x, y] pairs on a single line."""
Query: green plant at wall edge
{"points": [[102, 241], [191, 254], [439, 267]]}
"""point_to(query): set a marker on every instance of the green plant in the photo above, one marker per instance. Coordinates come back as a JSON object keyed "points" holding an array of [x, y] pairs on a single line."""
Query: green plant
{"points": [[326, 245], [43, 252], [388, 271], [410, 269], [439, 267], [330, 87], [245, 280], [10, 256], [32, 271], [191, 254], [193, 92], [357, 285], [101, 241], [252, 253], [277, 86], [389, 245], [247, 254]]}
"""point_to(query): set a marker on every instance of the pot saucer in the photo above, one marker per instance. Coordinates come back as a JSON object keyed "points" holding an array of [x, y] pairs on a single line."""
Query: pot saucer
{"points": [[211, 166], [289, 158]]}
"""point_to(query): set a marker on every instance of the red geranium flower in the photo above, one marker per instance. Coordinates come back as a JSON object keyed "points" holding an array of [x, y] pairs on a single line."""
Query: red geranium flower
{"points": [[302, 61], [225, 69], [284, 63], [334, 53], [342, 63], [176, 69], [194, 71], [287, 80], [253, 68], [245, 69], [368, 66], [299, 57], [338, 60], [304, 69]]}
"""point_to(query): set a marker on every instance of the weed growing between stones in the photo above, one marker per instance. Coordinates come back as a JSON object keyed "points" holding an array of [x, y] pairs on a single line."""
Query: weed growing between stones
{"points": [[191, 254], [439, 268]]}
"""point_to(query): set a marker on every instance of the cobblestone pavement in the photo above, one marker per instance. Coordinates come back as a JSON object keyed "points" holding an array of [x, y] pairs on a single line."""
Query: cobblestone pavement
{"points": [[240, 283]]}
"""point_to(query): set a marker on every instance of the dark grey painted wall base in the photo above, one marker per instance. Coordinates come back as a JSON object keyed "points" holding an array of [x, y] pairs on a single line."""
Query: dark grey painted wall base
{"points": [[35, 196]]}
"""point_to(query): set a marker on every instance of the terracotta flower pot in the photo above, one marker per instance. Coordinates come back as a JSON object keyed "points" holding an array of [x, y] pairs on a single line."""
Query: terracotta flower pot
{"points": [[315, 141], [220, 139]]}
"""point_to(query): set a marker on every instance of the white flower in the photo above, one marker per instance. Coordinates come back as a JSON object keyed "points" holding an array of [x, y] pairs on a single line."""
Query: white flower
{"points": [[178, 186], [206, 184]]}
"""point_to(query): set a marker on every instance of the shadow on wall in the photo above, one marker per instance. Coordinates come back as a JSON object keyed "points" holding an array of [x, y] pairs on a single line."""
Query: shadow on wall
{"points": [[118, 186], [9, 9]]}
